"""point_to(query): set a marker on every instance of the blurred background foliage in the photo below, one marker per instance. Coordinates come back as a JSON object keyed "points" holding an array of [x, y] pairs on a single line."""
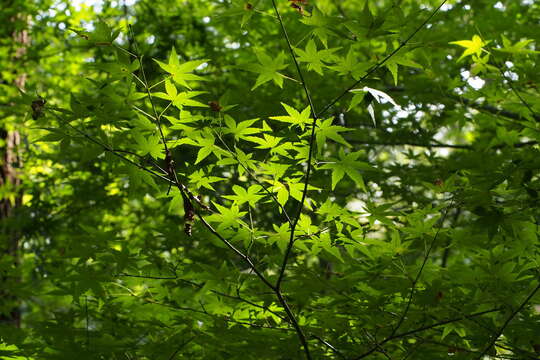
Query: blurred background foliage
{"points": [[95, 262]]}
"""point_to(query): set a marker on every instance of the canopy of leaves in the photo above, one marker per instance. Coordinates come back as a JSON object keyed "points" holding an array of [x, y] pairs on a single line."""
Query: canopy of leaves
{"points": [[277, 179]]}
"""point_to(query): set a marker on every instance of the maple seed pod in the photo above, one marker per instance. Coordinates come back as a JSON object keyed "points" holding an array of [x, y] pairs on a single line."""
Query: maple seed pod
{"points": [[188, 229], [189, 216], [189, 212]]}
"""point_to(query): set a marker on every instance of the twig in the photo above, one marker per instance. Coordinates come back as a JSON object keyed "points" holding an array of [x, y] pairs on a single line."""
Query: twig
{"points": [[252, 175], [501, 329], [180, 348], [107, 148], [328, 345], [424, 262], [424, 328], [413, 287], [146, 87], [200, 286], [279, 295], [488, 108], [380, 63], [312, 137], [510, 85]]}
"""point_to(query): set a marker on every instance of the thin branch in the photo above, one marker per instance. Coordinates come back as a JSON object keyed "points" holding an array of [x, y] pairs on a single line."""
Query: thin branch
{"points": [[107, 148], [503, 327], [411, 143], [147, 88], [294, 322], [277, 288], [252, 175], [200, 286], [181, 347], [424, 262], [244, 257], [204, 312], [424, 328], [310, 155], [509, 81], [444, 322], [380, 63], [413, 287], [328, 345], [488, 108], [150, 277], [446, 252]]}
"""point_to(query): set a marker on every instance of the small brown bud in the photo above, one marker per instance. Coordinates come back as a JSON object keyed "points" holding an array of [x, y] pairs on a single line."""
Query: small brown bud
{"points": [[214, 106], [37, 108]]}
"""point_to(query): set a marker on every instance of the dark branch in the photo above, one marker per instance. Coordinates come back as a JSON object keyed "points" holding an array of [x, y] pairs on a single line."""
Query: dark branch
{"points": [[503, 327]]}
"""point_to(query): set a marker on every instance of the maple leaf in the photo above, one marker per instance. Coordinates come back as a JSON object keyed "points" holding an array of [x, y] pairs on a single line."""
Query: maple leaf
{"points": [[268, 69], [294, 117], [347, 164], [251, 195], [315, 58], [472, 47], [349, 65], [180, 99], [392, 66], [272, 143], [240, 130], [181, 73], [149, 145], [326, 130]]}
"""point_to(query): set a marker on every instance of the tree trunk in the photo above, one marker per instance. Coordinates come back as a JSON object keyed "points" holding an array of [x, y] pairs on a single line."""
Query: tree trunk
{"points": [[10, 162]]}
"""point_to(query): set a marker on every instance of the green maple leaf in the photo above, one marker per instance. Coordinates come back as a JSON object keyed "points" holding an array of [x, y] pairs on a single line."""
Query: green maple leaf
{"points": [[268, 69], [251, 195], [517, 48], [349, 65], [348, 164], [181, 73], [227, 217], [323, 24], [392, 66], [149, 145], [206, 142], [280, 236], [472, 47], [240, 130], [315, 58], [180, 99], [244, 160], [272, 143], [325, 130], [295, 117], [201, 179]]}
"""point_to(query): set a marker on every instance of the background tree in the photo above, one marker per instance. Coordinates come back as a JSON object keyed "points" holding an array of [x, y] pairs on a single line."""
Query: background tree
{"points": [[274, 180]]}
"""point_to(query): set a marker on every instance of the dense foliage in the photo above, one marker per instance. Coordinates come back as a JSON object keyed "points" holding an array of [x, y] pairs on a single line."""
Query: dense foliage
{"points": [[272, 179]]}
